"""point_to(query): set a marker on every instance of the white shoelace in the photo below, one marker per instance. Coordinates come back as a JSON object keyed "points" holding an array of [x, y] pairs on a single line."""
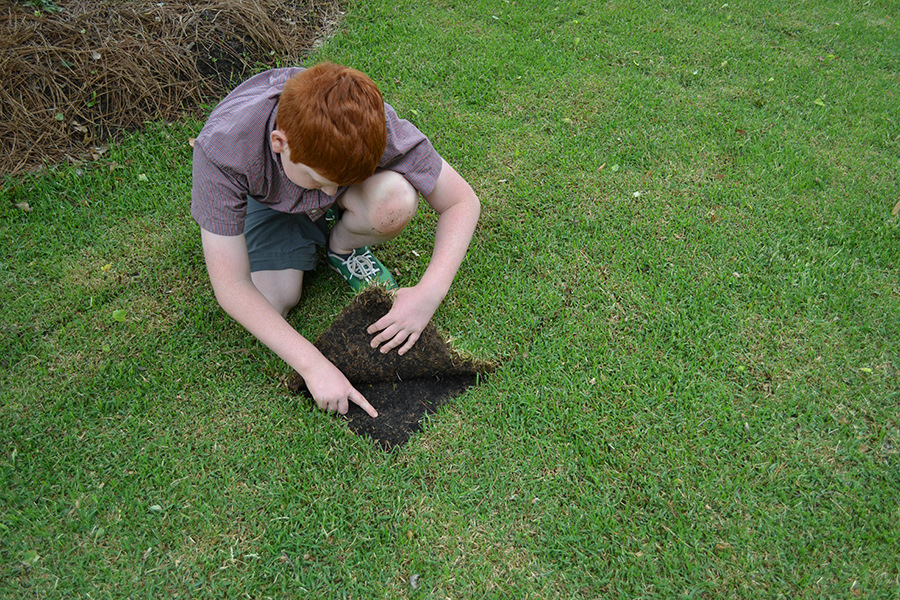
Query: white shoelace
{"points": [[361, 266]]}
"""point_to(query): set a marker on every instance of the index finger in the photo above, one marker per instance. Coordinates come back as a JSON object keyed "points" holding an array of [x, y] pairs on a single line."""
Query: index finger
{"points": [[378, 325], [360, 400]]}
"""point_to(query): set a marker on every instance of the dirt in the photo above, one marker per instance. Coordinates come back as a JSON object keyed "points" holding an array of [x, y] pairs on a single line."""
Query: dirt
{"points": [[403, 389]]}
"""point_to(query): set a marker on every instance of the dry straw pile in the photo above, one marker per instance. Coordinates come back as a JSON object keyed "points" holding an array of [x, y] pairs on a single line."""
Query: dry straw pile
{"points": [[77, 71]]}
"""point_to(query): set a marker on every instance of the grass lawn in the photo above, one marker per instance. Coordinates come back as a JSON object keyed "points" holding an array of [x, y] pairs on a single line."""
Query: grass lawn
{"points": [[687, 263]]}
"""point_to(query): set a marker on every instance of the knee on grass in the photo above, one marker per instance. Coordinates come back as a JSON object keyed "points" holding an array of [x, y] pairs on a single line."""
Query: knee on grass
{"points": [[281, 288]]}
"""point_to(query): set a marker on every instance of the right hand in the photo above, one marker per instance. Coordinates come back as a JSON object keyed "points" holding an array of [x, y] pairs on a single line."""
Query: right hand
{"points": [[333, 392]]}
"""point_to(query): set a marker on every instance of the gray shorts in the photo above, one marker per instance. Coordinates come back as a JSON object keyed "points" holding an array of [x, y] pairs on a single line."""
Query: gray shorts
{"points": [[277, 240]]}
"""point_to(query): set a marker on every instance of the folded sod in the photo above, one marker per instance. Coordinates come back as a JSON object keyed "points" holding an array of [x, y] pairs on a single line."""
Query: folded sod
{"points": [[401, 388]]}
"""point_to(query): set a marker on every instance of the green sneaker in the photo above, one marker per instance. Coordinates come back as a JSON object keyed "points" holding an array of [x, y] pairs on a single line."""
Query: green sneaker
{"points": [[360, 268]]}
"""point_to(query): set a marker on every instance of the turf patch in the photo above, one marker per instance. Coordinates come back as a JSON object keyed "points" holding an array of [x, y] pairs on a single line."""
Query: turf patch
{"points": [[403, 389]]}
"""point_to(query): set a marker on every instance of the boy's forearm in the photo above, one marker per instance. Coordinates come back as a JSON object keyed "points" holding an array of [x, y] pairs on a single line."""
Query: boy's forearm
{"points": [[453, 234], [413, 307], [458, 209], [327, 385], [229, 273], [246, 305]]}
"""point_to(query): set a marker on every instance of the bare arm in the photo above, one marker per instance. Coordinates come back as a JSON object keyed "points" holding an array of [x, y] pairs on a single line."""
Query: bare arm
{"points": [[458, 209], [229, 271]]}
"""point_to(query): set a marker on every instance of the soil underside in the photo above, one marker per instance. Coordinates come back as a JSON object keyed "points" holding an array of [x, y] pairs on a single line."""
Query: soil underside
{"points": [[76, 72], [403, 389]]}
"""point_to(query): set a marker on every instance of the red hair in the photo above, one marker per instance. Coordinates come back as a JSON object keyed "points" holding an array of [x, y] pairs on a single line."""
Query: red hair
{"points": [[333, 118]]}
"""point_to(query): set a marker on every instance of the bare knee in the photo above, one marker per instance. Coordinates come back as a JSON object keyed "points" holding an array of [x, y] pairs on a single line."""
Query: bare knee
{"points": [[383, 204], [283, 304], [396, 206], [281, 288]]}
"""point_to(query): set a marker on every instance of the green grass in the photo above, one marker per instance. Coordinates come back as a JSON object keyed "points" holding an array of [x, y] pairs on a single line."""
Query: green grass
{"points": [[686, 261]]}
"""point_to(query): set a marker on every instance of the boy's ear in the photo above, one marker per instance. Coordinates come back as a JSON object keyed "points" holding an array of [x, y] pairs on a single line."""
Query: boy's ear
{"points": [[279, 141]]}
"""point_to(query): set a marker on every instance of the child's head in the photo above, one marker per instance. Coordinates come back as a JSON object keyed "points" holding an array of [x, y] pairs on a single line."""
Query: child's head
{"points": [[333, 118]]}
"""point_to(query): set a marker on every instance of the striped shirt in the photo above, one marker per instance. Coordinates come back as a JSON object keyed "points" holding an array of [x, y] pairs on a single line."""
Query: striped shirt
{"points": [[233, 159]]}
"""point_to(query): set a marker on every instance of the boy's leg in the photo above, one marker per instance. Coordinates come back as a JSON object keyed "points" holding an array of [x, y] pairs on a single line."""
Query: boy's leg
{"points": [[281, 288], [281, 247], [374, 211]]}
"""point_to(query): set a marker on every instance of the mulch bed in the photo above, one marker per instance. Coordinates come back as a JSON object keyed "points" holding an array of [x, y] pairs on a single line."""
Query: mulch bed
{"points": [[76, 72], [403, 389]]}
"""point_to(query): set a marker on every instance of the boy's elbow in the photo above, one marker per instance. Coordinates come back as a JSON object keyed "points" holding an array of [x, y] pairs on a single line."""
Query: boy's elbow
{"points": [[222, 300], [226, 295], [474, 204]]}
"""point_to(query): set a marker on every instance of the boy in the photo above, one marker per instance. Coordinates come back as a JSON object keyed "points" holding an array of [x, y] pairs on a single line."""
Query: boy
{"points": [[275, 154]]}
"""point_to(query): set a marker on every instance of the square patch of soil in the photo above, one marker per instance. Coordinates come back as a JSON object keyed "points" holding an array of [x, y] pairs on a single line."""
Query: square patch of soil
{"points": [[403, 389]]}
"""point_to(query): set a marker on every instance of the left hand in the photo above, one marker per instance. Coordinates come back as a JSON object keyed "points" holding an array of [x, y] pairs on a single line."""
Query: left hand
{"points": [[403, 324]]}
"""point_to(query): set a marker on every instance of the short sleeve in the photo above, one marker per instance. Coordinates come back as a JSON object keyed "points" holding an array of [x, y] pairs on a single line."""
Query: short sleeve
{"points": [[218, 198]]}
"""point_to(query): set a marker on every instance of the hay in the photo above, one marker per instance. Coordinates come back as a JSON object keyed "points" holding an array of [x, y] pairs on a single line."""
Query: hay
{"points": [[78, 71]]}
